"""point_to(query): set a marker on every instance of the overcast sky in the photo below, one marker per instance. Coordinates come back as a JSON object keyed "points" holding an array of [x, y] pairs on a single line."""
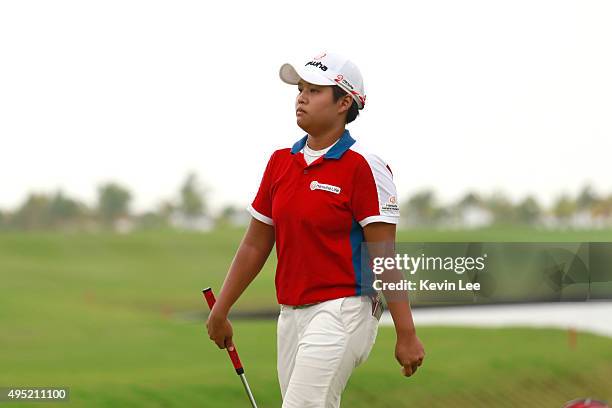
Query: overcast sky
{"points": [[462, 95]]}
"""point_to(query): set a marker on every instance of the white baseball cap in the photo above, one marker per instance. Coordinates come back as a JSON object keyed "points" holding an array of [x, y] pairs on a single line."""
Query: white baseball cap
{"points": [[327, 68]]}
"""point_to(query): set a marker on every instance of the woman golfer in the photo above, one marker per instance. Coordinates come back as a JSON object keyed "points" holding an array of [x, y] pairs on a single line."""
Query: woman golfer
{"points": [[319, 200]]}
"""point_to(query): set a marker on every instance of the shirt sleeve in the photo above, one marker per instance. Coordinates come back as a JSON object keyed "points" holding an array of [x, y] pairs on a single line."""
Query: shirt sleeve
{"points": [[261, 207], [374, 196]]}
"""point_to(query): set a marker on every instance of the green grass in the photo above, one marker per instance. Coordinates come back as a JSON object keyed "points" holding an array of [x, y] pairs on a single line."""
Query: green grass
{"points": [[102, 314]]}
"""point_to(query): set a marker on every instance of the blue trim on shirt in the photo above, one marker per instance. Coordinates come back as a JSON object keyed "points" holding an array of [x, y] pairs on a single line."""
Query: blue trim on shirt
{"points": [[364, 276], [299, 145], [337, 150], [345, 142], [356, 240]]}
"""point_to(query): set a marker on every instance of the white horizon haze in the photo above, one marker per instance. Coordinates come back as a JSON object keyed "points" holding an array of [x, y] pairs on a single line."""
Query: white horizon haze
{"points": [[461, 96]]}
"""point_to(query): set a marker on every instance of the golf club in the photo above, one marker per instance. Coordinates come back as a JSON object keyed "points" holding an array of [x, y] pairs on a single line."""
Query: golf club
{"points": [[233, 354]]}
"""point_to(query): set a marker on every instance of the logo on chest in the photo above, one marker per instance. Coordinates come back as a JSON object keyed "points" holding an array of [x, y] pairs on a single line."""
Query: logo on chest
{"points": [[315, 185]]}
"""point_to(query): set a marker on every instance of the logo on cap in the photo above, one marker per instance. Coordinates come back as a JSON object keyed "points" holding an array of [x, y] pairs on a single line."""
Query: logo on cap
{"points": [[340, 79], [317, 64], [318, 57]]}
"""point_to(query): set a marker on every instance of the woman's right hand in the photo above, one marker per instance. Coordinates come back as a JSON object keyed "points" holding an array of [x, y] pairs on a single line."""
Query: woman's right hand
{"points": [[220, 330], [248, 261]]}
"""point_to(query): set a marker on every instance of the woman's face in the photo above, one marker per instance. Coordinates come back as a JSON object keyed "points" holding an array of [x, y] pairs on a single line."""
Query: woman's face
{"points": [[315, 108]]}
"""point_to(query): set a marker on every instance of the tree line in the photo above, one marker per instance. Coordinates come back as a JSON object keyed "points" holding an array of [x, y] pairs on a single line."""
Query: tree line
{"points": [[588, 208], [57, 211]]}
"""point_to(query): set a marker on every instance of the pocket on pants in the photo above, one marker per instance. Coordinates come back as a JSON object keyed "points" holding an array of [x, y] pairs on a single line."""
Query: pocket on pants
{"points": [[351, 313], [360, 325], [371, 339]]}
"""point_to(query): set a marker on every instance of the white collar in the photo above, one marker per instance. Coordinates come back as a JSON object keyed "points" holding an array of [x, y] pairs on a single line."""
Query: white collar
{"points": [[310, 152]]}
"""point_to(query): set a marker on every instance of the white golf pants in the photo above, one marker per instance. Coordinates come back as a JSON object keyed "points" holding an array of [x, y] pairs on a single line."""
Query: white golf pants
{"points": [[319, 346]]}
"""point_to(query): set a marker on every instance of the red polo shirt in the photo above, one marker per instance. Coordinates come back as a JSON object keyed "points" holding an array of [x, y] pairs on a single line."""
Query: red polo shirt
{"points": [[318, 212]]}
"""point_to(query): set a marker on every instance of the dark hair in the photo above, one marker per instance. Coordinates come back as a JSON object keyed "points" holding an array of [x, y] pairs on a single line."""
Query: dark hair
{"points": [[353, 111]]}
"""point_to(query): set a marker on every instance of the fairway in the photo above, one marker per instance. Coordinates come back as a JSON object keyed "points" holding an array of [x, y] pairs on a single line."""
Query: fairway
{"points": [[111, 317]]}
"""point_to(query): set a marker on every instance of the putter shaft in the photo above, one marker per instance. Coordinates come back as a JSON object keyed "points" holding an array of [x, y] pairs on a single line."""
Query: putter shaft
{"points": [[248, 390], [233, 354]]}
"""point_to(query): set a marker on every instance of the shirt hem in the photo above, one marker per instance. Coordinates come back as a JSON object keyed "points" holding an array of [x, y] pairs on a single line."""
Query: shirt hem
{"points": [[320, 300]]}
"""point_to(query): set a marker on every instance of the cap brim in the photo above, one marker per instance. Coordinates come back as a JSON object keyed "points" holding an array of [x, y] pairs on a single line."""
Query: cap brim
{"points": [[291, 76]]}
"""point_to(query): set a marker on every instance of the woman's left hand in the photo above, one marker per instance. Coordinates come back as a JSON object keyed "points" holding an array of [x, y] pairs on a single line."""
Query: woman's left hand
{"points": [[409, 352]]}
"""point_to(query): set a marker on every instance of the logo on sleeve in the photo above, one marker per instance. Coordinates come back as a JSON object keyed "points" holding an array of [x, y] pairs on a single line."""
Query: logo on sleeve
{"points": [[390, 207], [315, 185]]}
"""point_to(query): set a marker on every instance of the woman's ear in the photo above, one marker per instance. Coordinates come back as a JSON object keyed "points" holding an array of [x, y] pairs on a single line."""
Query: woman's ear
{"points": [[345, 103]]}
